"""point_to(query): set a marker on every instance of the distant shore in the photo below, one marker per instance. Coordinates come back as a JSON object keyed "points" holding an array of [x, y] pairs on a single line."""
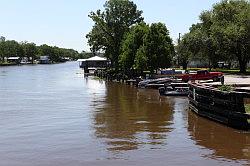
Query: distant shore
{"points": [[8, 64], [21, 64]]}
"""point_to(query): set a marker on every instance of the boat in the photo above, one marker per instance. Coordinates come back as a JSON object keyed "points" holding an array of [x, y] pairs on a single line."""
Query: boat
{"points": [[175, 89], [156, 83]]}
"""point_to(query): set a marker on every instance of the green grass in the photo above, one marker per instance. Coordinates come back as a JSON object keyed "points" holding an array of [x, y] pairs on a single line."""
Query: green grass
{"points": [[96, 78], [193, 69], [6, 63], [3, 63], [231, 71], [228, 71], [225, 88], [247, 108]]}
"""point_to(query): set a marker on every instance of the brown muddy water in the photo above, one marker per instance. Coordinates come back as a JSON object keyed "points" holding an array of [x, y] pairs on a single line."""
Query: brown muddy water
{"points": [[49, 115]]}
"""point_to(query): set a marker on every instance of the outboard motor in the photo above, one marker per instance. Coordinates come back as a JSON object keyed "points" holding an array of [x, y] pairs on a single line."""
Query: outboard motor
{"points": [[161, 90]]}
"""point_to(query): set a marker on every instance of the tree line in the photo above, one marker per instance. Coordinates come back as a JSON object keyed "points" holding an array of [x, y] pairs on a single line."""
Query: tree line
{"points": [[12, 48], [129, 43], [223, 34]]}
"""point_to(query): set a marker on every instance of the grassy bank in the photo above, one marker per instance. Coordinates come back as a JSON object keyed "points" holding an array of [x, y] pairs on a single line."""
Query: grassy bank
{"points": [[247, 108], [7, 64], [227, 71], [232, 71]]}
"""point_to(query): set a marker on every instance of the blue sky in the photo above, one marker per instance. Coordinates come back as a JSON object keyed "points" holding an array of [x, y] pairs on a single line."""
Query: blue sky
{"points": [[64, 23]]}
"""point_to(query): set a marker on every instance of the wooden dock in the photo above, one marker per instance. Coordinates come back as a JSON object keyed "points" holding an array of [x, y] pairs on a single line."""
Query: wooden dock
{"points": [[224, 107]]}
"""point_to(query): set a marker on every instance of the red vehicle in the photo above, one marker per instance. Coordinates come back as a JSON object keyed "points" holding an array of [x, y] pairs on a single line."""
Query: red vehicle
{"points": [[202, 75]]}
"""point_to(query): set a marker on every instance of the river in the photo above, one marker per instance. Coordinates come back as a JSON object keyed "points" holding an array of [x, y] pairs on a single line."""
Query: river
{"points": [[51, 115]]}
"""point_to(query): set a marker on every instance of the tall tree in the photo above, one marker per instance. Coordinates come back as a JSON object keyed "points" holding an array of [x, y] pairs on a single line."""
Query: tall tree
{"points": [[222, 34], [158, 47], [2, 39], [30, 50], [111, 25], [183, 51], [13, 48], [131, 43], [2, 48], [230, 30], [45, 50], [141, 60], [10, 48]]}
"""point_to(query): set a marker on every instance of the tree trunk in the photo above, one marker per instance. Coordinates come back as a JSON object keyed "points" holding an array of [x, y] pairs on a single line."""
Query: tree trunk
{"points": [[184, 65], [242, 63], [209, 65], [229, 65]]}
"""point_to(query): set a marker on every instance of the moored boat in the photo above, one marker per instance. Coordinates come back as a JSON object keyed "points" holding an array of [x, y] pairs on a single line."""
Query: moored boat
{"points": [[175, 89], [157, 83]]}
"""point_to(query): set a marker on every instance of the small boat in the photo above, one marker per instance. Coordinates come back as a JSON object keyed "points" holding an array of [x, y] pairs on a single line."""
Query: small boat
{"points": [[175, 89], [156, 83]]}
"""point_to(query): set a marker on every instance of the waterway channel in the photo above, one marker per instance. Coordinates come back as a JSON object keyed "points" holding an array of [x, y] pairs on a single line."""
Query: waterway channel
{"points": [[51, 115]]}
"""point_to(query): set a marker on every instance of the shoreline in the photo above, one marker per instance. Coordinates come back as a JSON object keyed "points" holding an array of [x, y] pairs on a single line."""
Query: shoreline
{"points": [[10, 64]]}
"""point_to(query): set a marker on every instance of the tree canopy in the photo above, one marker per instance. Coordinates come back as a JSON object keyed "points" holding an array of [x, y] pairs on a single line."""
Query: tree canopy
{"points": [[30, 50], [11, 48], [130, 45], [158, 47], [147, 48], [110, 26], [223, 34]]}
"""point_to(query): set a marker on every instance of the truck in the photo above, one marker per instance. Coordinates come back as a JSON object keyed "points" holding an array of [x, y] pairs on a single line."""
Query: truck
{"points": [[202, 75]]}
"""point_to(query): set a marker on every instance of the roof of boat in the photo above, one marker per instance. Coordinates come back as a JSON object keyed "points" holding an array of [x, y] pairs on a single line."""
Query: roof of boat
{"points": [[95, 58]]}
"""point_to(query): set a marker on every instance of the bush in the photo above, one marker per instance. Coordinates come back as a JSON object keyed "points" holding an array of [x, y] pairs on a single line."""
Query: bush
{"points": [[226, 88], [247, 108]]}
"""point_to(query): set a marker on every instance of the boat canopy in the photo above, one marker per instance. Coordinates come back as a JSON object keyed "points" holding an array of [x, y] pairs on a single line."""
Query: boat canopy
{"points": [[95, 58]]}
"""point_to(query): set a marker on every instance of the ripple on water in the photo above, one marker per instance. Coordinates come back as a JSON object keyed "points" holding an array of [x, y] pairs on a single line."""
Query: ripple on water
{"points": [[51, 115]]}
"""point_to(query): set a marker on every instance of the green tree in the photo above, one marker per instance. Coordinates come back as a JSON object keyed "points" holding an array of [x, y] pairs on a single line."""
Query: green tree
{"points": [[141, 60], [12, 48], [85, 55], [131, 43], [198, 43], [183, 51], [71, 53], [30, 50], [57, 54], [230, 30], [111, 25], [158, 47], [2, 39], [44, 50], [2, 48], [223, 34]]}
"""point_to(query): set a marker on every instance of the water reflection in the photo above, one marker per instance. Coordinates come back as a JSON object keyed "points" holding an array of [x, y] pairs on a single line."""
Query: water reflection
{"points": [[225, 142], [50, 116], [129, 118]]}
